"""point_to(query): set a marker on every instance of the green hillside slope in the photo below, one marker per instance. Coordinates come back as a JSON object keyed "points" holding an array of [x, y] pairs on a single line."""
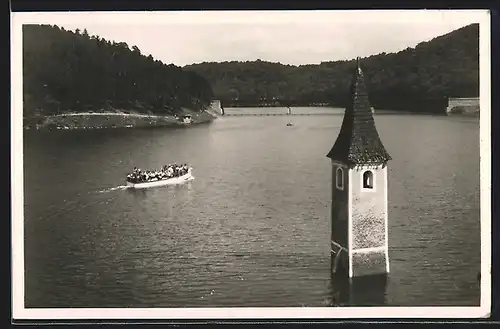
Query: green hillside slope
{"points": [[65, 71], [415, 79]]}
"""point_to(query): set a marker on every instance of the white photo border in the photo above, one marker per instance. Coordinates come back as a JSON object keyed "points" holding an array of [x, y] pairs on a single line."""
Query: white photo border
{"points": [[19, 312]]}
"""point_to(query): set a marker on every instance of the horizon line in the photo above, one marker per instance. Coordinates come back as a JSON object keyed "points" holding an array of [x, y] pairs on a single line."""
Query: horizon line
{"points": [[328, 61], [259, 59]]}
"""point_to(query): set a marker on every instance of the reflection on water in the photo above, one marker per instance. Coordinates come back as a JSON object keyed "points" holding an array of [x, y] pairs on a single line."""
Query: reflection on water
{"points": [[368, 290], [253, 227]]}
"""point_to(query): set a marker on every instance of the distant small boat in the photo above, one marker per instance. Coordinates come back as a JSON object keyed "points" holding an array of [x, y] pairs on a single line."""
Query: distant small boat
{"points": [[289, 124], [187, 119], [161, 182]]}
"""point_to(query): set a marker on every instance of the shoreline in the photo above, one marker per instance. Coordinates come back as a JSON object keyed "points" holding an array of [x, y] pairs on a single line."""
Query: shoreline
{"points": [[111, 120]]}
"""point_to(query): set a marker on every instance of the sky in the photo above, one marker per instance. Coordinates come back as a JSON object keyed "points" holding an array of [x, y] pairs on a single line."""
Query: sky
{"points": [[288, 37]]}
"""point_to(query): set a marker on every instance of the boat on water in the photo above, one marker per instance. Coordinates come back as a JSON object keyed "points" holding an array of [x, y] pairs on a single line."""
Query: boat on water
{"points": [[187, 119], [156, 181], [289, 124]]}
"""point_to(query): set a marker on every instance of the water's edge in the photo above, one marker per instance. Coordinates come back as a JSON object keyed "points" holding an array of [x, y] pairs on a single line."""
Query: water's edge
{"points": [[82, 121]]}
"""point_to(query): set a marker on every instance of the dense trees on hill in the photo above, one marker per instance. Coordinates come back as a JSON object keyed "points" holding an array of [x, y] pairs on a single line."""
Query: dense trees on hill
{"points": [[65, 71], [415, 79]]}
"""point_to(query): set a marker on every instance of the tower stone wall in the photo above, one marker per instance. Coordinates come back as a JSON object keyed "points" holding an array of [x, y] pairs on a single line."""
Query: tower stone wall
{"points": [[369, 222], [340, 218]]}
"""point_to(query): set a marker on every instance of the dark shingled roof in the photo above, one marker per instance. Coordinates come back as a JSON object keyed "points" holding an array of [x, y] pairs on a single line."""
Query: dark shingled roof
{"points": [[358, 141]]}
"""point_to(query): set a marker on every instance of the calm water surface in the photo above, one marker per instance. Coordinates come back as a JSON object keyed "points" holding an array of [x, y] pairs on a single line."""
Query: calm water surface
{"points": [[252, 228]]}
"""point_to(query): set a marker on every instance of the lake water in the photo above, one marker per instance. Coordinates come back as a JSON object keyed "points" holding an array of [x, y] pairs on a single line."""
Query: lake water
{"points": [[253, 227]]}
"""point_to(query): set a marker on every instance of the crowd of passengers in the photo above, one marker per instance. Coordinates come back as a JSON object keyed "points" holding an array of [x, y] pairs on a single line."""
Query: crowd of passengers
{"points": [[167, 171]]}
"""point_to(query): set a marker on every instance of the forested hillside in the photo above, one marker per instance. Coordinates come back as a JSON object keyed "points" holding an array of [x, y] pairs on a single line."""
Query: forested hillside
{"points": [[414, 79], [67, 71]]}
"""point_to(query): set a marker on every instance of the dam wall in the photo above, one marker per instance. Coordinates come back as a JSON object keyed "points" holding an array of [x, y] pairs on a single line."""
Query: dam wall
{"points": [[216, 107], [465, 106]]}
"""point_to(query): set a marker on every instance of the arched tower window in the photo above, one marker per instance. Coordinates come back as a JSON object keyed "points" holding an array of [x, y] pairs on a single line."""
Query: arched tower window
{"points": [[339, 178], [368, 179]]}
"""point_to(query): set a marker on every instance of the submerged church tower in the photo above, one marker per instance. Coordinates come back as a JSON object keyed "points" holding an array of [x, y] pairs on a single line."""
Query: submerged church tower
{"points": [[359, 189]]}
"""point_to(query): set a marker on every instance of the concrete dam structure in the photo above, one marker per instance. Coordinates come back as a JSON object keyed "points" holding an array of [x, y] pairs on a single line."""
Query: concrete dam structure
{"points": [[284, 111], [216, 108], [465, 106]]}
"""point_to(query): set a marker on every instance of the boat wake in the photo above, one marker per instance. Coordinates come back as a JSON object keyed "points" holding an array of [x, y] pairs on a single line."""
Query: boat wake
{"points": [[121, 187], [124, 187]]}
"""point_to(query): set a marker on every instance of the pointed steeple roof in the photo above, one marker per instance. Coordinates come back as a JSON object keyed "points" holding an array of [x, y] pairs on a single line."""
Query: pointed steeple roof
{"points": [[358, 141]]}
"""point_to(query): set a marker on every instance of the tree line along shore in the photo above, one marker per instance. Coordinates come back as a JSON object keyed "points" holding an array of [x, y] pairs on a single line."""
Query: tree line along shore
{"points": [[70, 72], [72, 80], [416, 79]]}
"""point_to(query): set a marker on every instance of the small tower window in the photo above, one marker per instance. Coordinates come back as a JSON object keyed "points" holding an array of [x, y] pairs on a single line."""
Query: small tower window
{"points": [[340, 178], [368, 179]]}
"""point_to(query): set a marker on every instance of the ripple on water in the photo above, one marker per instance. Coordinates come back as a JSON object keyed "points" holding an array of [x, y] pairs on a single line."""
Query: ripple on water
{"points": [[253, 228]]}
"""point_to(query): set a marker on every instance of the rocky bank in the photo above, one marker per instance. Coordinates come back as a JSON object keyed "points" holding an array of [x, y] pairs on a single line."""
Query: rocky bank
{"points": [[114, 119]]}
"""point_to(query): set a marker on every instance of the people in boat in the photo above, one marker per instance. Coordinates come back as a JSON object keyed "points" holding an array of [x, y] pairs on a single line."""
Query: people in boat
{"points": [[166, 172]]}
